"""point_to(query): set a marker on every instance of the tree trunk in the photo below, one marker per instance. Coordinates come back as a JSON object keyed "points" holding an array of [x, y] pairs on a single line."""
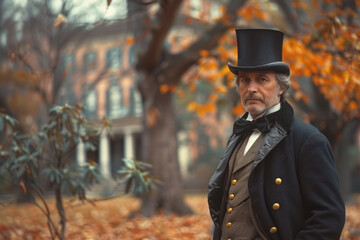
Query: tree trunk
{"points": [[61, 211], [156, 66], [159, 148], [343, 156]]}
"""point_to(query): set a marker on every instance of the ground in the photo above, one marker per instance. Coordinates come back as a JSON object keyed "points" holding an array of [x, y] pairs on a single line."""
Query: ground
{"points": [[109, 220]]}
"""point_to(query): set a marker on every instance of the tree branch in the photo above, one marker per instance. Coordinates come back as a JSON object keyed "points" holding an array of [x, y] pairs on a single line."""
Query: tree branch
{"points": [[289, 13], [185, 59], [164, 21], [145, 2]]}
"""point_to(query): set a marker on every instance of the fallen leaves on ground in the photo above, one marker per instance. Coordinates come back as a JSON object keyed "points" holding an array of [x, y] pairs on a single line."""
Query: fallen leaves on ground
{"points": [[110, 220]]}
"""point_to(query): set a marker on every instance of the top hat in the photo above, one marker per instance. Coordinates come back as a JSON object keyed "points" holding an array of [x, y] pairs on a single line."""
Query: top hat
{"points": [[259, 50]]}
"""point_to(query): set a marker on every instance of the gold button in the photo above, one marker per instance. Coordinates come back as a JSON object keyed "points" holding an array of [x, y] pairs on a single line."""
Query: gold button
{"points": [[276, 206], [231, 196], [273, 230], [229, 210], [228, 224], [278, 181], [229, 239], [233, 182]]}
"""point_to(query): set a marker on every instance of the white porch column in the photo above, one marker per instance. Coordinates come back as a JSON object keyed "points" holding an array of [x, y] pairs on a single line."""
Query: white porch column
{"points": [[80, 154], [183, 154], [104, 155], [129, 145]]}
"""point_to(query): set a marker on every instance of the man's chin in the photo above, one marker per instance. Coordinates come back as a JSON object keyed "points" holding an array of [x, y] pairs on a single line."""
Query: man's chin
{"points": [[255, 111]]}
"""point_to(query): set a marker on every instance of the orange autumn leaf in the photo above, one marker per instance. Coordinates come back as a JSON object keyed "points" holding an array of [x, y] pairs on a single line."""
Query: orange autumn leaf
{"points": [[246, 13], [188, 20], [260, 15], [213, 97], [172, 88], [201, 112], [223, 71], [222, 9], [315, 3], [192, 87], [192, 106], [130, 40], [353, 106], [204, 53], [164, 88], [209, 107], [238, 109], [298, 95], [180, 93], [221, 89]]}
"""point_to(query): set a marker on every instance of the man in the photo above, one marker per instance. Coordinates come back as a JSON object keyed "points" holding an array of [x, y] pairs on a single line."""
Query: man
{"points": [[276, 179]]}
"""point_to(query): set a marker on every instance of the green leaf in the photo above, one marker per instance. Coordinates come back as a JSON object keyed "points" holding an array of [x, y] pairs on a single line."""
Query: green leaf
{"points": [[11, 121]]}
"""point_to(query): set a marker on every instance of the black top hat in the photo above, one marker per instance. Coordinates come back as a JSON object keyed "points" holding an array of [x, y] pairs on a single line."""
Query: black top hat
{"points": [[259, 50]]}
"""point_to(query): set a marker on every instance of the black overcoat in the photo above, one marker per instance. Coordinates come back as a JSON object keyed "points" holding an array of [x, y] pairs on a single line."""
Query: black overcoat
{"points": [[311, 206]]}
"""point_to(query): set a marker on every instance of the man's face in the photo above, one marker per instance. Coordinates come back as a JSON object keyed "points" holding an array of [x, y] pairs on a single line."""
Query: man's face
{"points": [[258, 91]]}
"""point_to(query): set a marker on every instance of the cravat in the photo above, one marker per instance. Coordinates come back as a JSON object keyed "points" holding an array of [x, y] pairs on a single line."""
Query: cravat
{"points": [[264, 123]]}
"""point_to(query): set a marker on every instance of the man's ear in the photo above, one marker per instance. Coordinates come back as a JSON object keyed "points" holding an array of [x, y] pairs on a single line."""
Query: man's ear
{"points": [[281, 90]]}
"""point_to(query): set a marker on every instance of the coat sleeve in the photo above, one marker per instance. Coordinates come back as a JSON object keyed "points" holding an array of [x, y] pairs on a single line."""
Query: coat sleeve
{"points": [[319, 183]]}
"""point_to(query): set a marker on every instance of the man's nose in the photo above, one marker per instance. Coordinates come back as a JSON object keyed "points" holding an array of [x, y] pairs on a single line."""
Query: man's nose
{"points": [[252, 86]]}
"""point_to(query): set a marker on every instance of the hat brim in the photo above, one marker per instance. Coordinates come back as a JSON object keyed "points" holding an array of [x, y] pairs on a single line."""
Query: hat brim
{"points": [[277, 67]]}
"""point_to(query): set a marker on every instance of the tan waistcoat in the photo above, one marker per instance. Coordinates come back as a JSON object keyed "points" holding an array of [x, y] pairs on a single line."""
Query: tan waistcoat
{"points": [[238, 222]]}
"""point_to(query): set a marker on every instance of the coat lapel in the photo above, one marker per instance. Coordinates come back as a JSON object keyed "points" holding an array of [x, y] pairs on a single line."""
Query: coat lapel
{"points": [[271, 139]]}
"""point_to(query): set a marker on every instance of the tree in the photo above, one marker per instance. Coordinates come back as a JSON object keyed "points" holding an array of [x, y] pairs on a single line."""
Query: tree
{"points": [[158, 69], [34, 69]]}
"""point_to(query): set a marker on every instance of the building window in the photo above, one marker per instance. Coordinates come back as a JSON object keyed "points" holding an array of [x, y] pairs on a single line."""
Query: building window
{"points": [[195, 7], [67, 95], [18, 31], [89, 61], [113, 58], [132, 57], [68, 63], [115, 102], [215, 10], [3, 38], [90, 104], [123, 9], [136, 103]]}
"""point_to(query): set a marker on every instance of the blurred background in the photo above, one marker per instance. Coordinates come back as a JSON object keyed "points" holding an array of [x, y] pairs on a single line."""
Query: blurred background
{"points": [[157, 71]]}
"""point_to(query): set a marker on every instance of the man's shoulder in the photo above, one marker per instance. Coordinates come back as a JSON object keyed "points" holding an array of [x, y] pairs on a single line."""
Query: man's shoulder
{"points": [[302, 129]]}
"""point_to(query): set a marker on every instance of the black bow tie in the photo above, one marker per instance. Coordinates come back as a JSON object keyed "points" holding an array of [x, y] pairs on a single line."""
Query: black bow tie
{"points": [[242, 126]]}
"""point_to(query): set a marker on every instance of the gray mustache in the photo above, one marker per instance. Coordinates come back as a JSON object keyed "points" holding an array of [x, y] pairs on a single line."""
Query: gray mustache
{"points": [[252, 98]]}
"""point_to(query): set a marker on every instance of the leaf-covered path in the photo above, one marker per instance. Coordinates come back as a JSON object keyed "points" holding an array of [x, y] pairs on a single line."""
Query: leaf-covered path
{"points": [[109, 220]]}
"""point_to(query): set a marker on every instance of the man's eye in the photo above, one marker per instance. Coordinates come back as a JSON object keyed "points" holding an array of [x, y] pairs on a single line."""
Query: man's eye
{"points": [[262, 79], [244, 79]]}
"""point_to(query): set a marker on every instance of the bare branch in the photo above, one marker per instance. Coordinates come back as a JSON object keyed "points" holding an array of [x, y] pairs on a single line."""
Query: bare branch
{"points": [[184, 60], [289, 13], [7, 204], [164, 21], [145, 2]]}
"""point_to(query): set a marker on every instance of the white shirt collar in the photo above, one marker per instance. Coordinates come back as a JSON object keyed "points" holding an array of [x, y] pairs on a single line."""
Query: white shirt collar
{"points": [[273, 109]]}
